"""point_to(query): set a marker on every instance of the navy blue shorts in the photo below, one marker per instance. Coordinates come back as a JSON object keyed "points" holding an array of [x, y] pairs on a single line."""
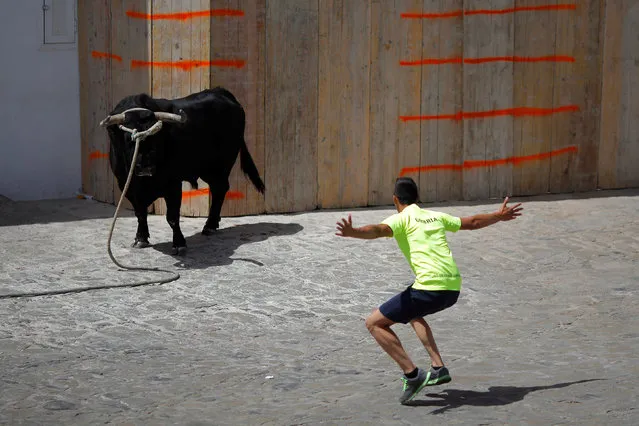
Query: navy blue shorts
{"points": [[411, 304]]}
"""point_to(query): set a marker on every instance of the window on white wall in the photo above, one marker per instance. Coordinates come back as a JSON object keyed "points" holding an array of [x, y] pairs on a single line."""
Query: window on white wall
{"points": [[59, 21]]}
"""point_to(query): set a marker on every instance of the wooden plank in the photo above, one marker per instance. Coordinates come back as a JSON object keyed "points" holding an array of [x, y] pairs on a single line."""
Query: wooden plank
{"points": [[225, 44], [430, 90], [182, 79], [441, 87], [120, 74], [129, 37], [395, 90], [291, 93], [450, 134], [84, 57], [612, 84], [280, 149], [254, 101], [627, 170], [243, 38], [328, 135], [161, 49], [534, 82], [148, 73], [500, 144], [577, 84], [200, 80], [180, 50], [488, 87], [566, 89], [477, 43], [104, 174], [344, 87], [162, 34], [98, 24], [191, 43]]}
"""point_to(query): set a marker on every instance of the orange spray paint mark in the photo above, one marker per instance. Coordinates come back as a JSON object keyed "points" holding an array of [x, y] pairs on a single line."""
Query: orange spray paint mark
{"points": [[515, 112], [459, 13], [567, 6], [183, 16], [188, 65], [97, 54], [230, 195], [474, 164], [234, 195], [452, 14], [458, 60], [96, 155], [195, 193]]}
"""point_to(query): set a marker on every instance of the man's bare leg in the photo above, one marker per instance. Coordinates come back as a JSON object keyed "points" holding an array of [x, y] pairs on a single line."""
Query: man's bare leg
{"points": [[379, 326], [422, 329]]}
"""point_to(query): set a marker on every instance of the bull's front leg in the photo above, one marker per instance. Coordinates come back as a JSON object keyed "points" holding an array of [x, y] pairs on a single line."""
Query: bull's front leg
{"points": [[173, 201], [142, 234]]}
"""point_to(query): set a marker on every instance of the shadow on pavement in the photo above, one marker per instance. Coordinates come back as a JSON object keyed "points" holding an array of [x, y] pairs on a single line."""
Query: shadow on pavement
{"points": [[217, 249], [450, 399], [14, 213]]}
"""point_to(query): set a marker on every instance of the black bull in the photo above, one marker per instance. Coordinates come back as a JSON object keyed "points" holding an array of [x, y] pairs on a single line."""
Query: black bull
{"points": [[201, 137]]}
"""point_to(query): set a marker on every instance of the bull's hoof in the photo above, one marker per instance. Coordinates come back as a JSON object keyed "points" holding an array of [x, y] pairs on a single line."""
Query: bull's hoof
{"points": [[178, 251], [208, 231], [140, 243]]}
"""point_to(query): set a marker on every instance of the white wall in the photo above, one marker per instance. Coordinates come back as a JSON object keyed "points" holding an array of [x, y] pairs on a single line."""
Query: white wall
{"points": [[39, 108]]}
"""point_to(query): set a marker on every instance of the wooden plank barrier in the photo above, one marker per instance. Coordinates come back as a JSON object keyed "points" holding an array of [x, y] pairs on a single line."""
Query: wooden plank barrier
{"points": [[292, 96], [619, 136], [473, 99], [242, 39], [392, 89], [442, 93], [344, 99]]}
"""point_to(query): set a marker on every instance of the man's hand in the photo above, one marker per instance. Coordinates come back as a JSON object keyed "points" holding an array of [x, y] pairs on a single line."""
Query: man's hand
{"points": [[368, 232], [506, 213], [345, 227]]}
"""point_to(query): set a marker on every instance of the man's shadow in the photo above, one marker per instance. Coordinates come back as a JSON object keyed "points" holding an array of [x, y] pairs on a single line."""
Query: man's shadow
{"points": [[450, 399], [217, 249]]}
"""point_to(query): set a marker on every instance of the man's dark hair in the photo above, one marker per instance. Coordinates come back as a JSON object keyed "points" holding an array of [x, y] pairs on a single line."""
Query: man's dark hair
{"points": [[406, 190]]}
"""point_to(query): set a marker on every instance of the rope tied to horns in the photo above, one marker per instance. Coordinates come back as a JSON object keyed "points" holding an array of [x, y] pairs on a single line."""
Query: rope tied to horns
{"points": [[137, 137]]}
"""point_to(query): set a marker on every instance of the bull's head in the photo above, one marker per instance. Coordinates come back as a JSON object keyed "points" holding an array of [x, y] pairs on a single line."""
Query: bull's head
{"points": [[140, 120]]}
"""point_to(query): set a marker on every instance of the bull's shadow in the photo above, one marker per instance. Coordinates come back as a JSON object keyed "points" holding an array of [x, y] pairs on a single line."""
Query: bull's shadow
{"points": [[218, 248], [449, 399]]}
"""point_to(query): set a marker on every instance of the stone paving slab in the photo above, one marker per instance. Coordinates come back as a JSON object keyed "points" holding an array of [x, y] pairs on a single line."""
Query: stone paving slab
{"points": [[266, 324]]}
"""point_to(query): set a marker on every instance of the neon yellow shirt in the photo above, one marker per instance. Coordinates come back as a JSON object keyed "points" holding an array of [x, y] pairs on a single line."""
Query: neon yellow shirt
{"points": [[421, 236]]}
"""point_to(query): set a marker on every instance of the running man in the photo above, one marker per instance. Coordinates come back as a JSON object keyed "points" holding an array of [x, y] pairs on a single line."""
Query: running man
{"points": [[421, 236]]}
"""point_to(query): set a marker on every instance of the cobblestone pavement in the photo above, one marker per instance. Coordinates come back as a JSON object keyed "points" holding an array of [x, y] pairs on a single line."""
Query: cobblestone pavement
{"points": [[266, 324]]}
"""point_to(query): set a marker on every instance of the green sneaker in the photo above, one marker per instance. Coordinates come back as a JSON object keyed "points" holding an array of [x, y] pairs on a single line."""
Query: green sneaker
{"points": [[411, 387], [437, 377]]}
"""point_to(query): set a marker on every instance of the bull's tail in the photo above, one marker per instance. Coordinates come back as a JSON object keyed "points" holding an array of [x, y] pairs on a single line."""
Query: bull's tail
{"points": [[249, 168]]}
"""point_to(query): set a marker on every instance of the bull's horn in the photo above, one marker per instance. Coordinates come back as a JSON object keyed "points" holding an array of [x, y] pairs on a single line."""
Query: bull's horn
{"points": [[118, 118], [171, 118], [112, 119]]}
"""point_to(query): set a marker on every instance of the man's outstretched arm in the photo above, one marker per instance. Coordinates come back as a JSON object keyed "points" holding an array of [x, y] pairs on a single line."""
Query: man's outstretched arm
{"points": [[368, 232], [505, 213]]}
